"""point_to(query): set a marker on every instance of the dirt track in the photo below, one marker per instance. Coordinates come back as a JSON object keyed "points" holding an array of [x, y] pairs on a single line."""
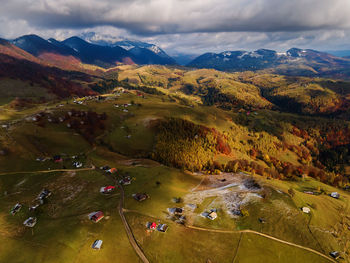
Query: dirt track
{"points": [[133, 241], [251, 232], [52, 171], [131, 237], [263, 235]]}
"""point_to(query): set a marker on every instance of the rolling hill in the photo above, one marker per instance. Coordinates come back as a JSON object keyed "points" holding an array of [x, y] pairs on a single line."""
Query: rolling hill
{"points": [[260, 165], [255, 147]]}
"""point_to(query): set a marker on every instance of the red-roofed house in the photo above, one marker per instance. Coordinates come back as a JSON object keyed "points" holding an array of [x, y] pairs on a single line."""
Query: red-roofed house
{"points": [[97, 216], [107, 189], [112, 170]]}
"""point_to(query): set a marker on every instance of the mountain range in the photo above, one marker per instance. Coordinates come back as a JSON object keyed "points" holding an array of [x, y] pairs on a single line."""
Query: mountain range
{"points": [[102, 55], [293, 62], [106, 51]]}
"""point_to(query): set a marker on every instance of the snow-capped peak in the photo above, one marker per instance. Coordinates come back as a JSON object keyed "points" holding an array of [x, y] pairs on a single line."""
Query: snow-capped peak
{"points": [[155, 49], [100, 39]]}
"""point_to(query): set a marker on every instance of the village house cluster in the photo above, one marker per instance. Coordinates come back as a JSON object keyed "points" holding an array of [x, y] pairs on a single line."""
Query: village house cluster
{"points": [[31, 221], [60, 158]]}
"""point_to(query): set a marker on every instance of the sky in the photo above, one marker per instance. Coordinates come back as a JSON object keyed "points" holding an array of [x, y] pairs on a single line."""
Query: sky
{"points": [[187, 26]]}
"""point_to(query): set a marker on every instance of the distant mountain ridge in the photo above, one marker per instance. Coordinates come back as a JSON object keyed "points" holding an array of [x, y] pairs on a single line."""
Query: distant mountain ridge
{"points": [[108, 51], [36, 45], [136, 47], [97, 54], [293, 62]]}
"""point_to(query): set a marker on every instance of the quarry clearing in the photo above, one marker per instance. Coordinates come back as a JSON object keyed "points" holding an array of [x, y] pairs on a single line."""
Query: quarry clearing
{"points": [[226, 191]]}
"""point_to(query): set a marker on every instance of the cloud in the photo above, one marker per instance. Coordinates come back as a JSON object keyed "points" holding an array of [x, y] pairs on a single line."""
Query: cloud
{"points": [[182, 25], [151, 17], [281, 41]]}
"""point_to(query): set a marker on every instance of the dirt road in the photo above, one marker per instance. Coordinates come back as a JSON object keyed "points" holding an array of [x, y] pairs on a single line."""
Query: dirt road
{"points": [[52, 171], [131, 237], [264, 235]]}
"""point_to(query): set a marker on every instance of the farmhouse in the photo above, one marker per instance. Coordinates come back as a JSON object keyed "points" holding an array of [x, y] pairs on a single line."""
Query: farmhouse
{"points": [[140, 196], [125, 181], [176, 210], [96, 216], [335, 195], [306, 210], [112, 170], [107, 189], [212, 215], [44, 194], [162, 228], [16, 208], [30, 222], [78, 164], [335, 254], [97, 244], [151, 225]]}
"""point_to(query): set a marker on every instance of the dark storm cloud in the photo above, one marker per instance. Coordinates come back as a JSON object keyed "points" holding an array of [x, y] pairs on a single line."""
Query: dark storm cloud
{"points": [[193, 26], [151, 17]]}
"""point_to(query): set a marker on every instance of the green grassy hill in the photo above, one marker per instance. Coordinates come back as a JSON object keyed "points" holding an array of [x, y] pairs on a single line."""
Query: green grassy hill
{"points": [[180, 134]]}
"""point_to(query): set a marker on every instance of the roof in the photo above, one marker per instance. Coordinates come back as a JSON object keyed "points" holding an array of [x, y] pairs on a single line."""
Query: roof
{"points": [[97, 244], [97, 216], [335, 194], [140, 196], [30, 222], [112, 170], [306, 209], [162, 227], [107, 189], [212, 215]]}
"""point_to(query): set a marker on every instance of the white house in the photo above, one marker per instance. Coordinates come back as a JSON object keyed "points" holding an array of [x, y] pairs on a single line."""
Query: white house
{"points": [[97, 244], [306, 210], [335, 195]]}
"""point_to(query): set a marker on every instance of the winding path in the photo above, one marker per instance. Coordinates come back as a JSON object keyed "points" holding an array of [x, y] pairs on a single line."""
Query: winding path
{"points": [[251, 232], [52, 171], [131, 237], [133, 241], [264, 235]]}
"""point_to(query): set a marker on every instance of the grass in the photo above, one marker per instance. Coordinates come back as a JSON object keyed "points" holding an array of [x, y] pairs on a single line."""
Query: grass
{"points": [[180, 244], [63, 226], [69, 216], [257, 249]]}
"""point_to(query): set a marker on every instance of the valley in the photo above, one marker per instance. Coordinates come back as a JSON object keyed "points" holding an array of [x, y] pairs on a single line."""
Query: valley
{"points": [[125, 141], [105, 158], [174, 131]]}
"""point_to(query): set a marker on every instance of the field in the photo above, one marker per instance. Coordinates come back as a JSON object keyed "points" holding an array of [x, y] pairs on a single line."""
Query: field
{"points": [[126, 141], [63, 225]]}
